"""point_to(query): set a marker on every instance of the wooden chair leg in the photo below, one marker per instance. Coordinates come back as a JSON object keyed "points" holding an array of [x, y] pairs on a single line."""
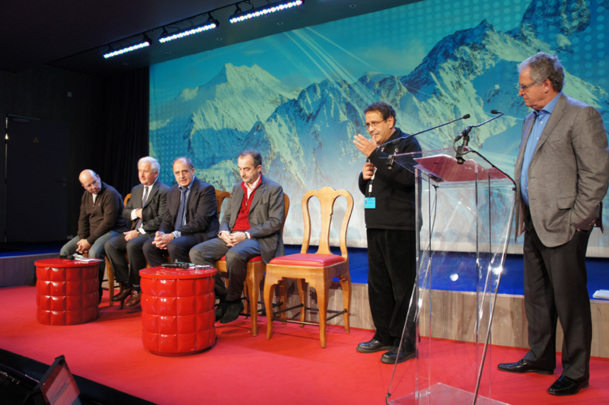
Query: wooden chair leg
{"points": [[322, 287], [302, 294], [253, 290], [269, 290], [110, 272], [345, 284]]}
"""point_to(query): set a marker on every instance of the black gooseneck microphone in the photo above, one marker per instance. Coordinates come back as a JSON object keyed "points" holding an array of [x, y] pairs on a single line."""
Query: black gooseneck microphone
{"points": [[466, 116], [392, 157]]}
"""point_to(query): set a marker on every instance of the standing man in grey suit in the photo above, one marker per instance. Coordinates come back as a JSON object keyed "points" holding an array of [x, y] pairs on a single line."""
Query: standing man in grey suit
{"points": [[562, 174], [144, 212], [190, 217], [251, 226]]}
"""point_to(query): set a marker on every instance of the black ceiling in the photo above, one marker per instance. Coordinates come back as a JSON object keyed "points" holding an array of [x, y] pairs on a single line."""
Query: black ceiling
{"points": [[73, 34]]}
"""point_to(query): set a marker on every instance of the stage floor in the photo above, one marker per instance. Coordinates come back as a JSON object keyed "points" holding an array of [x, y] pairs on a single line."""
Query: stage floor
{"points": [[290, 368]]}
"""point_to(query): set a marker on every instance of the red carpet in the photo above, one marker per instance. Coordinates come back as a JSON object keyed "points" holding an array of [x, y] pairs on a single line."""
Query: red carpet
{"points": [[290, 368]]}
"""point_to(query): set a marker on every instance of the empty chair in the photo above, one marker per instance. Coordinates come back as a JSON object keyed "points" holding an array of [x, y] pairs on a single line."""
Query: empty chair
{"points": [[317, 269]]}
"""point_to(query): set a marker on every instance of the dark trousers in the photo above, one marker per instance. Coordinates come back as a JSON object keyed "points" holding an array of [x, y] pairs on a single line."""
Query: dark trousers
{"points": [[127, 273], [555, 287], [391, 278], [237, 257], [177, 250]]}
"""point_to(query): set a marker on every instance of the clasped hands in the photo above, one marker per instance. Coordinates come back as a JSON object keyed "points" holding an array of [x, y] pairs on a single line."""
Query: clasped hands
{"points": [[162, 239], [232, 238], [82, 246]]}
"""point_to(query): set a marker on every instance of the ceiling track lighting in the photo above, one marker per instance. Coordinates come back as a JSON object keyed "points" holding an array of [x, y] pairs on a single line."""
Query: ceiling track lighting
{"points": [[143, 44], [240, 16], [210, 24]]}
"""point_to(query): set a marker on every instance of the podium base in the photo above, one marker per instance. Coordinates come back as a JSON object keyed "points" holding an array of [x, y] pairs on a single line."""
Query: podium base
{"points": [[440, 394]]}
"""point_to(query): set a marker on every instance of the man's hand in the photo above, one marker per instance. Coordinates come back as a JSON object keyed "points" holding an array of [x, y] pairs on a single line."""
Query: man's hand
{"points": [[225, 236], [138, 213], [364, 145], [83, 246], [161, 239], [131, 235], [237, 237], [368, 171]]}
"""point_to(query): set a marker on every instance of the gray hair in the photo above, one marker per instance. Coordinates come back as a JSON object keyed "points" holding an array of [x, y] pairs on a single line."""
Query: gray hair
{"points": [[545, 66], [154, 164], [186, 160]]}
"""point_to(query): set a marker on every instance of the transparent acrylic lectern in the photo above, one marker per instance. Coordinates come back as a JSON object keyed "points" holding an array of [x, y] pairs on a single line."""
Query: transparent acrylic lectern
{"points": [[465, 210]]}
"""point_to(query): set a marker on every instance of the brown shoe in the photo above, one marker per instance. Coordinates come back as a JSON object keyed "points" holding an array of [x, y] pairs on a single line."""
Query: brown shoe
{"points": [[123, 294], [134, 299]]}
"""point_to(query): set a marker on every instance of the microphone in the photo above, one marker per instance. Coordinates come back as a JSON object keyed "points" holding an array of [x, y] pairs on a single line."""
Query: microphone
{"points": [[466, 131], [466, 116]]}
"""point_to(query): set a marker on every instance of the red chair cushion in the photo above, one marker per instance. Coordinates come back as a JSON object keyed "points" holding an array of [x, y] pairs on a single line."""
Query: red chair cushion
{"points": [[308, 259], [252, 260]]}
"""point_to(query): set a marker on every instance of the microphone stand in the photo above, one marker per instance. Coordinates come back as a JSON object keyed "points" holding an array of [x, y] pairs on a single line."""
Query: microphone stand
{"points": [[391, 158], [463, 149]]}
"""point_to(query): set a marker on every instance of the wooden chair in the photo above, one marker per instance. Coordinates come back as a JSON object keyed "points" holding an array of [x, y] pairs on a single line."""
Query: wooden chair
{"points": [[110, 269], [316, 269], [255, 274]]}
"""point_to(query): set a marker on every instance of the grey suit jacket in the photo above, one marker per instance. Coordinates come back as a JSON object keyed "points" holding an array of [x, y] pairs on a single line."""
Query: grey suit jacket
{"points": [[266, 217], [153, 209], [568, 174]]}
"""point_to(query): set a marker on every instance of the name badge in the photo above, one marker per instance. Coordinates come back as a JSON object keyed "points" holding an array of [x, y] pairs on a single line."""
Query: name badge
{"points": [[370, 203]]}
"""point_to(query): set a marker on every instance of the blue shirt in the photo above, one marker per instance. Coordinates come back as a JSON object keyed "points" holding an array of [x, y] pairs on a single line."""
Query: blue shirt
{"points": [[540, 123]]}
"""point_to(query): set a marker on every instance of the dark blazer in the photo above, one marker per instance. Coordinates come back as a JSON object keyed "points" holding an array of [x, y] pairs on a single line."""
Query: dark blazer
{"points": [[568, 175], [266, 216], [201, 215], [153, 210]]}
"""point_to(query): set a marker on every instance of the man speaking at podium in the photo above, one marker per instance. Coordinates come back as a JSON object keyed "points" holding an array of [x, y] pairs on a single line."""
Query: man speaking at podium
{"points": [[389, 191], [562, 173]]}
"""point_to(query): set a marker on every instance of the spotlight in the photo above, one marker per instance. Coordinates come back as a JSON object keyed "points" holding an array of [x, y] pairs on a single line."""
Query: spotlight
{"points": [[143, 44], [210, 24], [239, 16]]}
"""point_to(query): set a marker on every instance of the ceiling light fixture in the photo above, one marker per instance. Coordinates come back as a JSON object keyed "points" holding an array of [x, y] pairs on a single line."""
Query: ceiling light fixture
{"points": [[239, 16], [143, 44], [210, 24]]}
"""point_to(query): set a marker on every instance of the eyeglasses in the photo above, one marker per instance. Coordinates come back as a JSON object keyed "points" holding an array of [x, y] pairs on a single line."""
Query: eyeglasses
{"points": [[374, 124], [523, 87]]}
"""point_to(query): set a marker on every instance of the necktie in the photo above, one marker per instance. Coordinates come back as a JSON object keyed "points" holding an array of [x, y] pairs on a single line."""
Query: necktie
{"points": [[180, 217], [145, 198], [140, 221]]}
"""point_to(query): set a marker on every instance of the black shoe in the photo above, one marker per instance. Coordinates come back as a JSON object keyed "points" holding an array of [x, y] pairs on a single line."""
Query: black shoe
{"points": [[372, 346], [567, 386], [523, 366], [221, 308], [233, 309], [394, 356]]}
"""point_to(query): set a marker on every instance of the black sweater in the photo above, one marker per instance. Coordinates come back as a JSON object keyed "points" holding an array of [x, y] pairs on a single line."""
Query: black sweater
{"points": [[393, 187]]}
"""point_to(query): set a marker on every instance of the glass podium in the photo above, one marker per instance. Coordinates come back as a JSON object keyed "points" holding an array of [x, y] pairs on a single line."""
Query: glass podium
{"points": [[465, 211]]}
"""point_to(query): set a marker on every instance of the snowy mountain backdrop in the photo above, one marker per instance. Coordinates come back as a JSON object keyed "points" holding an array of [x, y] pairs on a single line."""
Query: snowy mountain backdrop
{"points": [[305, 132]]}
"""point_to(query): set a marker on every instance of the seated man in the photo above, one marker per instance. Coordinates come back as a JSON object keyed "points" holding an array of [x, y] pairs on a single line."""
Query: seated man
{"points": [[100, 218], [251, 226], [144, 212], [190, 217]]}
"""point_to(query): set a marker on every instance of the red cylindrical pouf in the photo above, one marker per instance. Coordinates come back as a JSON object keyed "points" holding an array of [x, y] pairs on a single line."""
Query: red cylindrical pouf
{"points": [[67, 291], [178, 314]]}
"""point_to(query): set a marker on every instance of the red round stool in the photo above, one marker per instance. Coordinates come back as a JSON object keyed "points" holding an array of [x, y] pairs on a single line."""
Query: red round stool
{"points": [[67, 291], [178, 314]]}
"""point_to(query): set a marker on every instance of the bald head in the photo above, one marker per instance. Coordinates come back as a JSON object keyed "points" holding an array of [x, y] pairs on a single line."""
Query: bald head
{"points": [[90, 181]]}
